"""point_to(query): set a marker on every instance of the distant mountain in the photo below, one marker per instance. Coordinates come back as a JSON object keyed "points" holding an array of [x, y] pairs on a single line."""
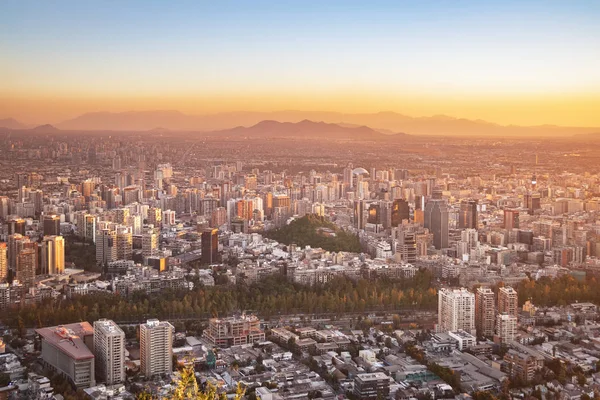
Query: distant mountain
{"points": [[11, 123], [45, 128], [304, 129], [385, 122]]}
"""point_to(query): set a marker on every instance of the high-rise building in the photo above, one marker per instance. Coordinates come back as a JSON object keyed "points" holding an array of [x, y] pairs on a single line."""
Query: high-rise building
{"points": [[506, 327], [508, 301], [374, 214], [106, 246], [27, 264], [485, 310], [210, 246], [109, 351], [218, 217], [400, 212], [467, 216], [456, 310], [156, 348], [16, 225], [511, 218], [406, 247], [16, 242], [149, 243], [124, 242], [51, 225], [3, 262], [436, 219], [53, 255], [155, 217], [359, 218]]}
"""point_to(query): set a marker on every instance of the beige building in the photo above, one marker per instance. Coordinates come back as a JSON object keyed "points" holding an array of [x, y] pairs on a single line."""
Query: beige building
{"points": [[226, 332], [156, 347], [485, 311], [508, 301], [67, 350], [109, 350], [456, 310]]}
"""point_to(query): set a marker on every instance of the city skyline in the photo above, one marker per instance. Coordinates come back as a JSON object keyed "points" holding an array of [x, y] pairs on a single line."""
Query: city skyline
{"points": [[528, 63]]}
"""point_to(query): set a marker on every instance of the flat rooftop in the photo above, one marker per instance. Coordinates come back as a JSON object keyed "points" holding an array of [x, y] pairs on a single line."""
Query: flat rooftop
{"points": [[69, 339]]}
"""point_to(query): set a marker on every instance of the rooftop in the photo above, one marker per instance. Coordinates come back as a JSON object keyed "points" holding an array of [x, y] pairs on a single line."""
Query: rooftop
{"points": [[69, 339]]}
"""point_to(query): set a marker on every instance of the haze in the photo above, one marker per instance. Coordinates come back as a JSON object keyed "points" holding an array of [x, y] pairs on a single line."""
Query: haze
{"points": [[510, 62]]}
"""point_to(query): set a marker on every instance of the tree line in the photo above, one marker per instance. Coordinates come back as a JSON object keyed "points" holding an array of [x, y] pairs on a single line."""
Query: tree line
{"points": [[270, 297]]}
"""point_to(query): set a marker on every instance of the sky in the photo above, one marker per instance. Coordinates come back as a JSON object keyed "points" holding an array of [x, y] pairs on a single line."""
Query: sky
{"points": [[510, 62]]}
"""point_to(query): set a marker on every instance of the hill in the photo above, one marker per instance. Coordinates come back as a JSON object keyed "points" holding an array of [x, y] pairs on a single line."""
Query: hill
{"points": [[381, 121], [45, 128], [303, 129], [312, 230], [11, 123]]}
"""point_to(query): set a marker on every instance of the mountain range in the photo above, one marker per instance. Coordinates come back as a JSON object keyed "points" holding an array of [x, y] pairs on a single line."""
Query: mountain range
{"points": [[384, 122]]}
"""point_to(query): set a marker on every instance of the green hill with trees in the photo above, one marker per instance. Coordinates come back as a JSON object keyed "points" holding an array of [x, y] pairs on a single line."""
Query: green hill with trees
{"points": [[315, 231]]}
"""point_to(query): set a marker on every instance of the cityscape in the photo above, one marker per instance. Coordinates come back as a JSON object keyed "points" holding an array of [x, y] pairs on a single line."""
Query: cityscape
{"points": [[155, 248]]}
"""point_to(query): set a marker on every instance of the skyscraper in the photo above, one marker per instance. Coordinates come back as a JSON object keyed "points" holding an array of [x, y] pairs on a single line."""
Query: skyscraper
{"points": [[109, 351], [508, 301], [511, 218], [400, 212], [467, 216], [51, 225], [485, 311], [210, 246], [456, 310], [359, 219], [3, 262], [156, 348], [106, 246], [53, 255], [27, 264], [436, 219]]}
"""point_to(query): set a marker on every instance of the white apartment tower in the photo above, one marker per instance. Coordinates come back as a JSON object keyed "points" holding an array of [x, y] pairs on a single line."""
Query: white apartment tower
{"points": [[456, 310], [109, 351], [156, 348]]}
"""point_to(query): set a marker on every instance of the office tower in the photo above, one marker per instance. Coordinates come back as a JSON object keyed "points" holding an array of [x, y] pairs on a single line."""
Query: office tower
{"points": [[27, 264], [109, 351], [16, 243], [374, 214], [456, 310], [86, 226], [406, 247], [359, 219], [485, 311], [149, 243], [508, 301], [51, 225], [511, 218], [156, 348], [532, 201], [124, 241], [400, 212], [87, 187], [375, 385], [131, 194], [155, 217], [3, 262], [4, 207], [53, 255], [16, 225], [506, 327], [467, 216], [66, 349], [106, 246], [210, 246], [436, 219]]}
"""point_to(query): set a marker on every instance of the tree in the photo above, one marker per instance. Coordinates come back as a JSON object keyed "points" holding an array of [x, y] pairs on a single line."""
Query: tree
{"points": [[187, 389], [4, 379]]}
